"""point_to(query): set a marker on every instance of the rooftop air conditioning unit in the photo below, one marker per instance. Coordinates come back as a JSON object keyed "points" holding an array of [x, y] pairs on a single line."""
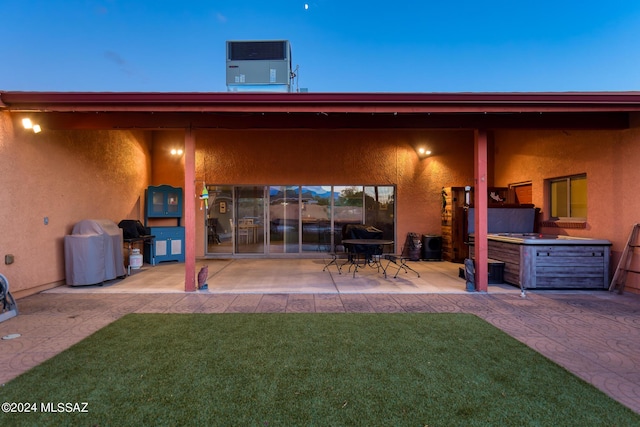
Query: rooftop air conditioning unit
{"points": [[259, 66]]}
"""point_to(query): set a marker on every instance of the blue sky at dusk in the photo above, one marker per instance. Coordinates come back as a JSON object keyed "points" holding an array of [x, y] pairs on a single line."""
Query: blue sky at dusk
{"points": [[339, 46]]}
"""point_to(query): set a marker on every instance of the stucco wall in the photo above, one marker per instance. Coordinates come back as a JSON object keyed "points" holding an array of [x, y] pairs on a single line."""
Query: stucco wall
{"points": [[66, 176], [338, 157], [609, 158], [167, 168]]}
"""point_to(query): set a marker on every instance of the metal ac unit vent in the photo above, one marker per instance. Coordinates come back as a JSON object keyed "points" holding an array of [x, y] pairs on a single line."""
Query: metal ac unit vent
{"points": [[259, 66], [258, 50]]}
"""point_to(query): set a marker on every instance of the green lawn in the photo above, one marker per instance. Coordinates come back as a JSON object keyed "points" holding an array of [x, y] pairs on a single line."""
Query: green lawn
{"points": [[308, 369]]}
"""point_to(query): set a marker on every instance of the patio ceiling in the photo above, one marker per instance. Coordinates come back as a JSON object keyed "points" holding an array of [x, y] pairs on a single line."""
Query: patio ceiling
{"points": [[226, 110]]}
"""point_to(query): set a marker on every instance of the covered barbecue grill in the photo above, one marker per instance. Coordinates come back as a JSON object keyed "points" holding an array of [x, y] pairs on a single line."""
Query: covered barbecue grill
{"points": [[93, 252], [362, 231]]}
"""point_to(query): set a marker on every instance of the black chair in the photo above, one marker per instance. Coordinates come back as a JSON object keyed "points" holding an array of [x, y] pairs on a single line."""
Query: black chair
{"points": [[400, 261], [212, 231], [338, 253]]}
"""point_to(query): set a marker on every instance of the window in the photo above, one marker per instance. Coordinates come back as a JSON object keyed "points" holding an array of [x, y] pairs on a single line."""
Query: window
{"points": [[568, 197]]}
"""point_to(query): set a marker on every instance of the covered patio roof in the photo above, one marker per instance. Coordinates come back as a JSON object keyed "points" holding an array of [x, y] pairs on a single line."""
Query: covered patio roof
{"points": [[227, 110], [477, 112]]}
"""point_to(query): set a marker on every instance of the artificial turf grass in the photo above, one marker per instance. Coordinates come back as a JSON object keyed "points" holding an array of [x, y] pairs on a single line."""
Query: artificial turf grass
{"points": [[309, 369]]}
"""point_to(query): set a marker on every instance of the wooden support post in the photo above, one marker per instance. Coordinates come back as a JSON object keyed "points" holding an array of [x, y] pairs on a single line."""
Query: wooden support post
{"points": [[189, 211], [481, 210]]}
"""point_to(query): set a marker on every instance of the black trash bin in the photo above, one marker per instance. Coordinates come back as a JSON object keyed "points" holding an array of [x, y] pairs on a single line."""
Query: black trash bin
{"points": [[412, 247], [431, 247]]}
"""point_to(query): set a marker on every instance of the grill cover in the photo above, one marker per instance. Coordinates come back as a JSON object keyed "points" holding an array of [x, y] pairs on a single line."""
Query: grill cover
{"points": [[93, 252], [360, 231]]}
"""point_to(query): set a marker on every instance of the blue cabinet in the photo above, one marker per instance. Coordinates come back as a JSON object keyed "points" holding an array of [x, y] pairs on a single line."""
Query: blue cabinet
{"points": [[168, 245], [164, 201]]}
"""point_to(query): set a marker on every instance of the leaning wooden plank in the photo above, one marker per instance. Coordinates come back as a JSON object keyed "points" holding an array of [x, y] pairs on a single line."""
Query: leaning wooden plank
{"points": [[619, 278]]}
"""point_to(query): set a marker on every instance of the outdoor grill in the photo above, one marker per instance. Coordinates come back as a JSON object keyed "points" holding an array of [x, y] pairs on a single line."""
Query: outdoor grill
{"points": [[93, 252]]}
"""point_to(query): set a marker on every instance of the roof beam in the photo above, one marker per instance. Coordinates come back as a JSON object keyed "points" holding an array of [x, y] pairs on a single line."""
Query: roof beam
{"points": [[130, 120]]}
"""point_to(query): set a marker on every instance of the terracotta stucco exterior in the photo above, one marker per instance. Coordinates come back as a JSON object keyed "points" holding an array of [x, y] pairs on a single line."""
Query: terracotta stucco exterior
{"points": [[68, 176], [610, 160], [64, 176], [78, 169], [341, 158]]}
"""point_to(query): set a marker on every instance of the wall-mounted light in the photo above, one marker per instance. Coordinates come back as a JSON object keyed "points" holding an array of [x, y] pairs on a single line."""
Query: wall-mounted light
{"points": [[28, 124], [176, 152], [423, 152]]}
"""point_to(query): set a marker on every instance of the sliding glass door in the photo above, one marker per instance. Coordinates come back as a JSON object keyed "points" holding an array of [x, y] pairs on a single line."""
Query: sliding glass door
{"points": [[292, 219], [284, 219], [219, 218], [347, 209], [379, 209], [248, 229], [315, 209]]}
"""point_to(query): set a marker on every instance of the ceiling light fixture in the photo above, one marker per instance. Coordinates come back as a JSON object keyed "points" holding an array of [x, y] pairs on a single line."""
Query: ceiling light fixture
{"points": [[28, 124]]}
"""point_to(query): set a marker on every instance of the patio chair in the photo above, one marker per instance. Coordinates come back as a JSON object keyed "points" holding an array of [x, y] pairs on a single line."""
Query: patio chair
{"points": [[241, 231], [245, 227], [339, 253], [212, 231], [400, 261]]}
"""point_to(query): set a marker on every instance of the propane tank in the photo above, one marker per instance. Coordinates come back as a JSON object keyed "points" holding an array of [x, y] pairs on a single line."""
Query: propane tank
{"points": [[135, 259]]}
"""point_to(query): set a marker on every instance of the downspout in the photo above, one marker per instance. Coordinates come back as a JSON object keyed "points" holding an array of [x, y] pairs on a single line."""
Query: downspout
{"points": [[481, 203], [189, 211]]}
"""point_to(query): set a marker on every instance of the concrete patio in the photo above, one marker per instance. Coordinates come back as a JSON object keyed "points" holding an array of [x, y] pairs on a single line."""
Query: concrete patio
{"points": [[291, 276], [593, 334]]}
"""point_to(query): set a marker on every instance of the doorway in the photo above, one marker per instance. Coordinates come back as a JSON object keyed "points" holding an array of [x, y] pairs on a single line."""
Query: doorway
{"points": [[284, 219], [248, 232], [235, 220], [292, 220]]}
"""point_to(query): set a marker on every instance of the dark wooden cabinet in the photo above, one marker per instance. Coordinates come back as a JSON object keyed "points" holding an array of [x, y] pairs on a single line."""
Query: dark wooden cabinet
{"points": [[455, 247]]}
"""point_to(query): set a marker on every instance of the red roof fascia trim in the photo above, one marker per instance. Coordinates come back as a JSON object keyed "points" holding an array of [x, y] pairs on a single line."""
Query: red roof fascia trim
{"points": [[365, 102]]}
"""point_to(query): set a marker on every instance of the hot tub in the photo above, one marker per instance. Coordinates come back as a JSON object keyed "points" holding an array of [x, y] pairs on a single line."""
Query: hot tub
{"points": [[545, 261]]}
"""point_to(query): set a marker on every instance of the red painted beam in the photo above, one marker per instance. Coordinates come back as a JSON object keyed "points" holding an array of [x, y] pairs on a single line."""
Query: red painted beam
{"points": [[189, 211], [481, 204]]}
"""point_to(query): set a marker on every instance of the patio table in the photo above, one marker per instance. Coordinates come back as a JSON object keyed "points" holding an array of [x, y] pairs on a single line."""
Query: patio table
{"points": [[366, 252]]}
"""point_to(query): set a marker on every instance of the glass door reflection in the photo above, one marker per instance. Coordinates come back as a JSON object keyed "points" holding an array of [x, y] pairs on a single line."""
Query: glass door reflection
{"points": [[284, 219], [248, 230], [379, 204], [347, 208], [316, 221], [219, 219]]}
